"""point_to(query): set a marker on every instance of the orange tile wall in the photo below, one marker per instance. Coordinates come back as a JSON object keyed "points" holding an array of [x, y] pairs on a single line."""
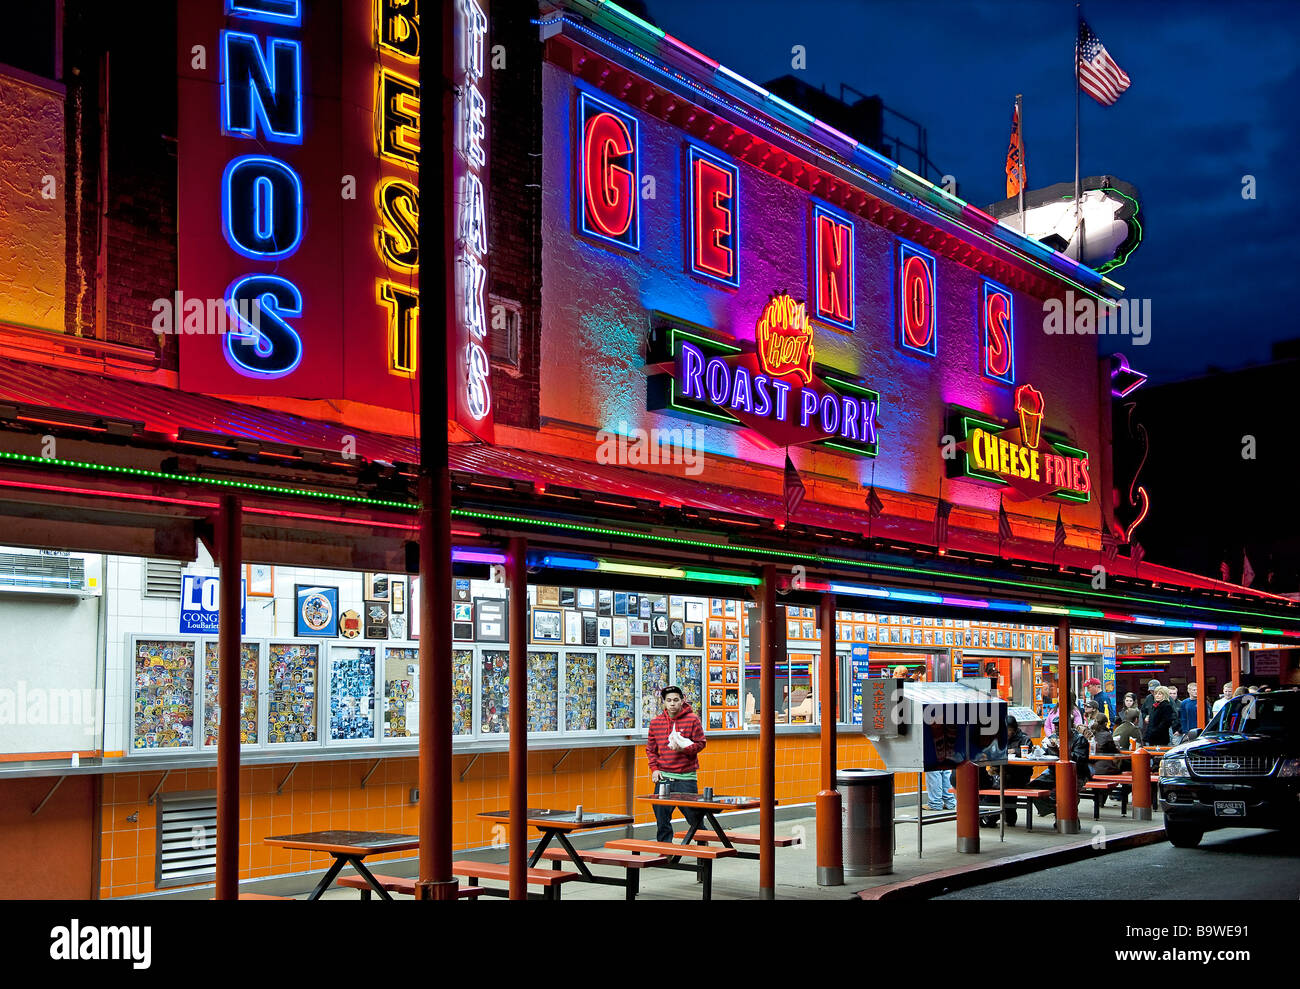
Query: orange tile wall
{"points": [[327, 795]]}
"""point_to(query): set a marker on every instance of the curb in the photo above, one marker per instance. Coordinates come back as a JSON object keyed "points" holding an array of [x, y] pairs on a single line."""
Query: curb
{"points": [[924, 887]]}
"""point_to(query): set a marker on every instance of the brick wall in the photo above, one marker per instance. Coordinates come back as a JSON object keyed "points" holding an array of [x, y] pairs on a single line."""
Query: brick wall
{"points": [[515, 223]]}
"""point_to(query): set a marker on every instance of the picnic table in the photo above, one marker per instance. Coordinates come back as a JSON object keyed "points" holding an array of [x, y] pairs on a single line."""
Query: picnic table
{"points": [[557, 825], [348, 848], [710, 808]]}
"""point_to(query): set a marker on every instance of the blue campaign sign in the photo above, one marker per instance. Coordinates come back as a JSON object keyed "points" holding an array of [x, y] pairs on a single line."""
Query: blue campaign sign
{"points": [[201, 605], [860, 669]]}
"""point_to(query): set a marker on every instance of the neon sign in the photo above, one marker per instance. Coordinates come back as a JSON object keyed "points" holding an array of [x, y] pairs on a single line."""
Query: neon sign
{"points": [[773, 390], [999, 342], [916, 319], [608, 174], [262, 209], [714, 216], [832, 254], [1032, 462]]}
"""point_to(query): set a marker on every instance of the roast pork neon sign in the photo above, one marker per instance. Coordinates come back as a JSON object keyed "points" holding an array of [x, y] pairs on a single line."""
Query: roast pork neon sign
{"points": [[262, 210], [774, 390], [1033, 463]]}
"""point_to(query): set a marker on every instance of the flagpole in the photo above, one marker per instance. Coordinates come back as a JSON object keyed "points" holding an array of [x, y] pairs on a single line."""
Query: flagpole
{"points": [[1024, 172], [1078, 194]]}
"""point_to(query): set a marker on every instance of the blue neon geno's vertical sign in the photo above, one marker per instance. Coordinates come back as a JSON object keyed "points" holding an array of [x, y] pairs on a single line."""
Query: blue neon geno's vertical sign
{"points": [[262, 209]]}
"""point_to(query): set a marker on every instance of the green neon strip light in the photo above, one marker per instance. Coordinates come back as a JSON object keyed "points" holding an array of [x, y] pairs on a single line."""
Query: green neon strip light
{"points": [[835, 561], [723, 578], [628, 15], [1086, 613], [1114, 263], [159, 475]]}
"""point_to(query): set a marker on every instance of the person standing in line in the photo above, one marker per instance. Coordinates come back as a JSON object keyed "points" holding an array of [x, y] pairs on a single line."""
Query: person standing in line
{"points": [[1104, 700], [672, 747], [1227, 696], [1148, 702], [1162, 719], [1187, 710]]}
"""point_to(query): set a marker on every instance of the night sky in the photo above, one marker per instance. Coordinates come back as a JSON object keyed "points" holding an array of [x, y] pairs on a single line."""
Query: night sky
{"points": [[1212, 100]]}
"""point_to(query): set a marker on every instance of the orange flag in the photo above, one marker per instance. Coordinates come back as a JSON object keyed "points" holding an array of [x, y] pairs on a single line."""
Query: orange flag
{"points": [[1016, 177]]}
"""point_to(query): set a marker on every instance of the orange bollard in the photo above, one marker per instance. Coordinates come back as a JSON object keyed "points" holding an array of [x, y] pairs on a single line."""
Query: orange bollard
{"points": [[1141, 785], [966, 782], [1067, 798], [830, 839]]}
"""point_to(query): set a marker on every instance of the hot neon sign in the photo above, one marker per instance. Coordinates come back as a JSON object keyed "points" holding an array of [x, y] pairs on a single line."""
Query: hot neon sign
{"points": [[772, 390], [262, 209]]}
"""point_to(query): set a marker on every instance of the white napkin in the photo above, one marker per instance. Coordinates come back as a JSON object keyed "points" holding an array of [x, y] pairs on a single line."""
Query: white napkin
{"points": [[678, 741]]}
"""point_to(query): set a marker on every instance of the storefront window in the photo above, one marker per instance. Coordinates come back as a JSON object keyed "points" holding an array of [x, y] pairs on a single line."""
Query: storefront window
{"points": [[462, 692], [291, 697], [620, 690], [654, 677], [543, 691], [580, 691], [352, 693], [494, 685], [249, 655], [402, 693], [164, 694]]}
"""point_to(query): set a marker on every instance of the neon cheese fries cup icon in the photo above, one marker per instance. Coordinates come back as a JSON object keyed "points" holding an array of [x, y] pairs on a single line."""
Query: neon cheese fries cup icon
{"points": [[1029, 404]]}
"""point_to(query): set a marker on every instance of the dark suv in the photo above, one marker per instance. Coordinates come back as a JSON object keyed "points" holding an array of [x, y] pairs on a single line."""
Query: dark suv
{"points": [[1243, 771]]}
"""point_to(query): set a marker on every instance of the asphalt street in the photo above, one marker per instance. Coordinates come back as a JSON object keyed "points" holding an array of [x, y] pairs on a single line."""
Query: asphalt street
{"points": [[1235, 864]]}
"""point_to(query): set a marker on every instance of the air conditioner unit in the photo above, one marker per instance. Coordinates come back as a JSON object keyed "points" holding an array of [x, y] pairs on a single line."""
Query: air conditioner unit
{"points": [[51, 573]]}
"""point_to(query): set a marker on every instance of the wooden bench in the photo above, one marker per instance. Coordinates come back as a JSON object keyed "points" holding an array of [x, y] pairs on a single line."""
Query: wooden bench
{"points": [[739, 838], [603, 856], [399, 884], [703, 855], [1125, 782], [1016, 795], [551, 880], [1099, 790]]}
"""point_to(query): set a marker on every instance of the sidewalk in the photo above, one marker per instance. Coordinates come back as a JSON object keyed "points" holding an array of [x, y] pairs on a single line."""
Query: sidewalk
{"points": [[942, 866]]}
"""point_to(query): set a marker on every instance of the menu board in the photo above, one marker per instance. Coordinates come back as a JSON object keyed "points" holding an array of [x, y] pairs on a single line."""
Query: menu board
{"points": [[164, 694], [401, 693], [654, 677], [291, 692], [690, 677], [462, 692], [543, 691], [620, 690], [352, 693], [580, 691], [249, 654], [494, 682]]}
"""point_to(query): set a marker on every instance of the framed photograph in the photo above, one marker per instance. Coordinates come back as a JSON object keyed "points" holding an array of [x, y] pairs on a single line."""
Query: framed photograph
{"points": [[490, 620], [715, 607], [695, 611], [375, 587], [568, 597], [715, 698], [676, 606], [715, 674], [633, 605], [733, 630], [462, 612], [547, 624], [548, 596], [659, 605], [715, 630], [459, 588], [587, 598], [620, 602], [573, 628], [732, 698], [376, 618], [809, 630], [732, 653], [729, 607], [398, 592], [261, 580], [620, 632], [733, 675], [731, 719], [317, 612], [605, 605], [871, 633]]}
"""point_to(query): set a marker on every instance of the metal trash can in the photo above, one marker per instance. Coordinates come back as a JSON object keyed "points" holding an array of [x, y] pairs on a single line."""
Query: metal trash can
{"points": [[868, 800]]}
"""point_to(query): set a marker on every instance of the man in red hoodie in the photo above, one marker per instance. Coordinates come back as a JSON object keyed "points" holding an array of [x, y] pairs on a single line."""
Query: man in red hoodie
{"points": [[678, 767]]}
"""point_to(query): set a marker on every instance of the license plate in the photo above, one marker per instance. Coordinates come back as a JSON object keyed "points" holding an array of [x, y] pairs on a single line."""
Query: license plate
{"points": [[1229, 808]]}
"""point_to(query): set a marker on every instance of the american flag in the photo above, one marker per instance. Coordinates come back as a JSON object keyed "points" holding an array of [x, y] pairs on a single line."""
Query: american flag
{"points": [[1004, 523], [1109, 542], [1136, 552], [1058, 537], [941, 512], [1099, 76], [874, 505], [1223, 569], [794, 490]]}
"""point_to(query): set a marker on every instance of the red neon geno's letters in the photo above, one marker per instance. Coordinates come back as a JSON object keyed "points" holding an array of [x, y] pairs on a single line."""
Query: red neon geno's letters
{"points": [[997, 351], [609, 185], [917, 303], [834, 268], [714, 202]]}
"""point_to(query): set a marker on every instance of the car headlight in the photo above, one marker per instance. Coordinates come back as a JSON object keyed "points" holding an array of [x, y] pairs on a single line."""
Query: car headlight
{"points": [[1288, 767], [1177, 766]]}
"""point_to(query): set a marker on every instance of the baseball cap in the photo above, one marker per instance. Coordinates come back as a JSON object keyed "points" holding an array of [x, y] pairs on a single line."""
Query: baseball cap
{"points": [[1092, 682], [1152, 684]]}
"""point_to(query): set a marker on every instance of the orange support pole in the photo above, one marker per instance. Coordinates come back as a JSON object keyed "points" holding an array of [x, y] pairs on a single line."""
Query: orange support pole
{"points": [[1234, 661], [1198, 666], [1067, 779], [518, 719], [966, 783], [768, 645], [1142, 785], [830, 838], [230, 546]]}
